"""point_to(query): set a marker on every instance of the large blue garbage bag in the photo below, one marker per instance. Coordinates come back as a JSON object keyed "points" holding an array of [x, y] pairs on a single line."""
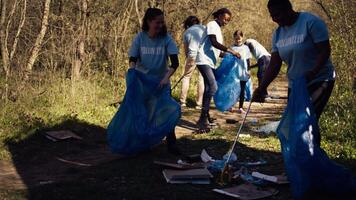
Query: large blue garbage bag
{"points": [[228, 84], [308, 167], [226, 76], [146, 115]]}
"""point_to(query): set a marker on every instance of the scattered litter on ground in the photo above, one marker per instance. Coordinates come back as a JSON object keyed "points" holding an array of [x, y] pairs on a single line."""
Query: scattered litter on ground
{"points": [[181, 165], [253, 121], [74, 162], [217, 165], [231, 121], [46, 182], [242, 135], [247, 192], [193, 176], [205, 157], [193, 158], [61, 135], [246, 176], [252, 164], [268, 128], [279, 179]]}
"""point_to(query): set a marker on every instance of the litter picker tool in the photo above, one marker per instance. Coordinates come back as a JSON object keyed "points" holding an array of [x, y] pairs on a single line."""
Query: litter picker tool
{"points": [[175, 85], [225, 169]]}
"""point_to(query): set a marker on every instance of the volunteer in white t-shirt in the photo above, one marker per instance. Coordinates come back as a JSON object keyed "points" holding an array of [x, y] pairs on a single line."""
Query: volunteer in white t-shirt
{"points": [[192, 36], [302, 42], [262, 56], [210, 48]]}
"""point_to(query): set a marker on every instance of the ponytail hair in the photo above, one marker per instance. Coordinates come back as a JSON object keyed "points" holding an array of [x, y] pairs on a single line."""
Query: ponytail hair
{"points": [[151, 14], [220, 12]]}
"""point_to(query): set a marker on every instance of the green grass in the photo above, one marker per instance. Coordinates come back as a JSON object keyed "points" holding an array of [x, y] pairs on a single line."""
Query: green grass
{"points": [[50, 103]]}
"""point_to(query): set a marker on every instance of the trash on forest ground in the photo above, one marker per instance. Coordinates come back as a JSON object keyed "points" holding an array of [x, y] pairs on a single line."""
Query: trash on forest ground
{"points": [[193, 176], [193, 158], [268, 128], [231, 121], [279, 179], [61, 135], [246, 176], [45, 182], [244, 135], [181, 165], [205, 157], [73, 162], [247, 192], [217, 165], [253, 121], [250, 164]]}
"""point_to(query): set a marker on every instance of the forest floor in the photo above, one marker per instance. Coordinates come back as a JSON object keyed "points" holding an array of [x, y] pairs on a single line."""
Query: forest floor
{"points": [[85, 169]]}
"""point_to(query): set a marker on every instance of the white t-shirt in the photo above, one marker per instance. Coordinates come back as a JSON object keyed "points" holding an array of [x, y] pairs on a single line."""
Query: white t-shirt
{"points": [[207, 54], [258, 51], [245, 53], [192, 38]]}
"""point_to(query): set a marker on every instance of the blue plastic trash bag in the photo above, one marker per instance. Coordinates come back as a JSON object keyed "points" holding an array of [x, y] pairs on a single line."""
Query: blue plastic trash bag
{"points": [[228, 84], [248, 90], [308, 167], [146, 115]]}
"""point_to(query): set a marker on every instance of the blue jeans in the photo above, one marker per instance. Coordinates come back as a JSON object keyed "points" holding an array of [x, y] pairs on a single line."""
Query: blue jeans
{"points": [[210, 86]]}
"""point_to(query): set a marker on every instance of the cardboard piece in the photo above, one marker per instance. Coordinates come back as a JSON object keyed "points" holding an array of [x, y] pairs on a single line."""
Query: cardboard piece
{"points": [[181, 165], [279, 179], [193, 176], [247, 192], [61, 135]]}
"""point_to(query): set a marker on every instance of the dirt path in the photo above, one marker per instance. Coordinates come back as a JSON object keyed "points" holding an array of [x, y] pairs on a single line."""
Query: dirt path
{"points": [[260, 114]]}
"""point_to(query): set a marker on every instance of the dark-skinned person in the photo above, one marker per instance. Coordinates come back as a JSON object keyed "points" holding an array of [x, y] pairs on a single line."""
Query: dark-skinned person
{"points": [[150, 51], [302, 42], [211, 48], [192, 36]]}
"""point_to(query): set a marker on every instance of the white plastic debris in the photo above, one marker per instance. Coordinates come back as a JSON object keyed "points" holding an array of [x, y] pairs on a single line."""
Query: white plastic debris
{"points": [[205, 157], [268, 128]]}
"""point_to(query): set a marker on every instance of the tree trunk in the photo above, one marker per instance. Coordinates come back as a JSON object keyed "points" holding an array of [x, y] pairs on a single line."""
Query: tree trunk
{"points": [[4, 49], [80, 47], [39, 40]]}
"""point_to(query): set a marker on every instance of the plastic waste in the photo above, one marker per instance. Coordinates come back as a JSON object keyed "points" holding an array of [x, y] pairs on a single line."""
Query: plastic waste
{"points": [[268, 128], [308, 167], [147, 114]]}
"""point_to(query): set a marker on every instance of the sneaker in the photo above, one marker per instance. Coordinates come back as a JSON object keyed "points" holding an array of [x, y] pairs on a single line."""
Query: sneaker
{"points": [[198, 107], [241, 111], [183, 105]]}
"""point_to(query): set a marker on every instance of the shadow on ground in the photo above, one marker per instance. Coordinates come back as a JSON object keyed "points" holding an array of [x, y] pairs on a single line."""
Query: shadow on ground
{"points": [[85, 169]]}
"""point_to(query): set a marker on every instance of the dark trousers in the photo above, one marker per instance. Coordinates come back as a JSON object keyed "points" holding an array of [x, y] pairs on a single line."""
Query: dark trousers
{"points": [[242, 93], [171, 138], [210, 86], [320, 93]]}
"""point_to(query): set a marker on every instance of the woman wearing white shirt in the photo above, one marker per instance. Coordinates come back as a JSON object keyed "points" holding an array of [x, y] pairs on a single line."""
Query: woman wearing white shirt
{"points": [[208, 54]]}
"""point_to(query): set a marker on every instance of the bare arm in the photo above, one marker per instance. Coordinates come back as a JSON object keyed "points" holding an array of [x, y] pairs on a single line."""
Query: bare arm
{"points": [[175, 63], [270, 74], [221, 47]]}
